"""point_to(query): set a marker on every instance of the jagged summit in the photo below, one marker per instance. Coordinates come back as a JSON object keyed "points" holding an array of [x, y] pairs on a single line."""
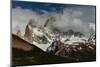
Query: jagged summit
{"points": [[29, 30], [44, 36], [49, 21]]}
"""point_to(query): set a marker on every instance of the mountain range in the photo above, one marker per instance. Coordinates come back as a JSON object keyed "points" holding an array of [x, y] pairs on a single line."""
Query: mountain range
{"points": [[49, 45]]}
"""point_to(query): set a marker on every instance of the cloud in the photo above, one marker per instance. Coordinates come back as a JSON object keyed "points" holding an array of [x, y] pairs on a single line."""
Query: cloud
{"points": [[69, 19], [92, 26], [20, 18]]}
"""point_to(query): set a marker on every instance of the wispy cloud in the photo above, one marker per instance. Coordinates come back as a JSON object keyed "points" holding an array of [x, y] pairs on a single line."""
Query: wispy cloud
{"points": [[69, 19]]}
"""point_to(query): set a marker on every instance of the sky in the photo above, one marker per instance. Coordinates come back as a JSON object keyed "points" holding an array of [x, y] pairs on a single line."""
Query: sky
{"points": [[79, 18]]}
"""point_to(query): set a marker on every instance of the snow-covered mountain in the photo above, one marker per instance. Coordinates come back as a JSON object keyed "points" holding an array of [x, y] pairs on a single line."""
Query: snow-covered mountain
{"points": [[44, 36]]}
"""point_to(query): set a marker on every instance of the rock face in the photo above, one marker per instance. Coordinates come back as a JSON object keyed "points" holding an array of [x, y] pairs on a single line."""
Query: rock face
{"points": [[81, 52], [29, 31], [20, 43]]}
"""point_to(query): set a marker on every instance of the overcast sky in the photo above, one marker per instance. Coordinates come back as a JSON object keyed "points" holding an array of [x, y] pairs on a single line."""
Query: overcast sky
{"points": [[76, 17]]}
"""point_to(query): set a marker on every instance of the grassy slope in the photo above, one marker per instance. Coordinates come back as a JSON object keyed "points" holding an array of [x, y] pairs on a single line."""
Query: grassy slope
{"points": [[35, 57]]}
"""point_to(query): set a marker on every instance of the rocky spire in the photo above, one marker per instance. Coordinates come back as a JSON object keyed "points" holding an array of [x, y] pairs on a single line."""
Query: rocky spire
{"points": [[50, 20], [28, 31]]}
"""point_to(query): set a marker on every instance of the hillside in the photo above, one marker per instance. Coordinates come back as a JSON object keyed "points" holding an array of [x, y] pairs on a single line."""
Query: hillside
{"points": [[34, 56]]}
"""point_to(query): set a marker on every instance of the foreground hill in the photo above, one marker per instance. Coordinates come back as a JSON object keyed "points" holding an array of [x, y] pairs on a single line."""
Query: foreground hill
{"points": [[24, 53]]}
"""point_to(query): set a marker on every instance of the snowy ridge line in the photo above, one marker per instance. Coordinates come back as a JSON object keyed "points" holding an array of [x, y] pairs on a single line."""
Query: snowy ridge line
{"points": [[43, 37]]}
